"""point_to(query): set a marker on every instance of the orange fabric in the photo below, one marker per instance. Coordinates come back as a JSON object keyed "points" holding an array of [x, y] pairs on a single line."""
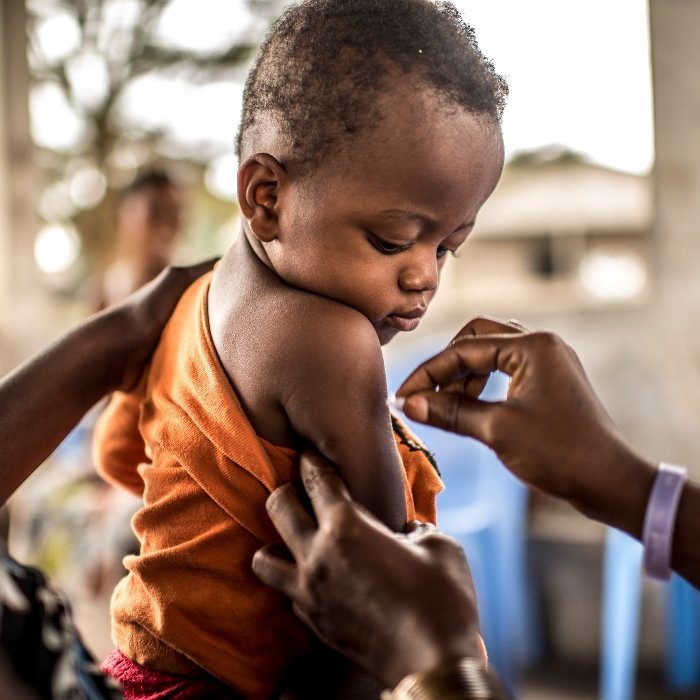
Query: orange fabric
{"points": [[181, 441]]}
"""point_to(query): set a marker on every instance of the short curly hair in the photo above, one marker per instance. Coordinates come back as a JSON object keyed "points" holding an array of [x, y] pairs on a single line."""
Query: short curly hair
{"points": [[324, 63]]}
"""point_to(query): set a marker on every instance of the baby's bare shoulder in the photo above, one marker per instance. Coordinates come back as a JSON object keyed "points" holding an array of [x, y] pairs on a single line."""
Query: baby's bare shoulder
{"points": [[322, 330]]}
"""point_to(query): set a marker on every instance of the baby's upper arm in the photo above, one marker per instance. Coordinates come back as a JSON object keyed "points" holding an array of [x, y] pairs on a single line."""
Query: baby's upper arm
{"points": [[337, 400]]}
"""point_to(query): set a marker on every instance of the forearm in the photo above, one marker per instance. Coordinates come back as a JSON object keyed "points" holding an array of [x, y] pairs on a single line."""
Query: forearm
{"points": [[620, 500], [615, 489], [45, 397]]}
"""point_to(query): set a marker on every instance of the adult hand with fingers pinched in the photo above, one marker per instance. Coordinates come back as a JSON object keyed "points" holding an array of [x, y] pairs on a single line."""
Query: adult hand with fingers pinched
{"points": [[551, 430], [471, 383], [393, 604]]}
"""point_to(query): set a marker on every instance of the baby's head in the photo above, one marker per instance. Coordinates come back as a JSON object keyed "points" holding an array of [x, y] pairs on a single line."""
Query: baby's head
{"points": [[370, 138], [325, 62]]}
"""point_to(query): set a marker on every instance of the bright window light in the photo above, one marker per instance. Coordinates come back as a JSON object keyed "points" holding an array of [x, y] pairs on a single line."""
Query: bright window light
{"points": [[56, 248], [54, 123], [220, 177], [613, 275], [203, 26], [58, 36], [89, 78], [87, 187], [558, 85]]}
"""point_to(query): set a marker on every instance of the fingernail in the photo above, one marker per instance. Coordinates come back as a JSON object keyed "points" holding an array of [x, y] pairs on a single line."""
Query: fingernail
{"points": [[396, 402], [416, 407]]}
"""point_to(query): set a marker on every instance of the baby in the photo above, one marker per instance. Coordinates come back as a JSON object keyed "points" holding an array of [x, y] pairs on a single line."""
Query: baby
{"points": [[369, 140]]}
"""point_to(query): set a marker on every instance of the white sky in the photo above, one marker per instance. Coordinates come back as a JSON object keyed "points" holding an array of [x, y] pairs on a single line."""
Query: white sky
{"points": [[578, 72]]}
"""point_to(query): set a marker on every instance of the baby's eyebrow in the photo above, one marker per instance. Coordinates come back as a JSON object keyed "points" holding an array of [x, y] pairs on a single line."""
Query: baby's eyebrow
{"points": [[407, 216], [423, 219]]}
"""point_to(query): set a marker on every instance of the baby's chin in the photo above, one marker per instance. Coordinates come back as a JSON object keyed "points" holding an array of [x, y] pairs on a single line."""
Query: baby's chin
{"points": [[386, 333]]}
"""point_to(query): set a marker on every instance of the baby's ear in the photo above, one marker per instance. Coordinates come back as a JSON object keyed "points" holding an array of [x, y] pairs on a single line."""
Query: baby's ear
{"points": [[259, 179]]}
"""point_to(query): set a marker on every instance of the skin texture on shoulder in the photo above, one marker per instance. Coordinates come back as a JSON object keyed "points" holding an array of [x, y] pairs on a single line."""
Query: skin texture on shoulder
{"points": [[348, 413]]}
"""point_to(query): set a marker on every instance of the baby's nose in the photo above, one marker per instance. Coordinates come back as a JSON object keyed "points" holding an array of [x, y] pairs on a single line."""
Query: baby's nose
{"points": [[421, 273]]}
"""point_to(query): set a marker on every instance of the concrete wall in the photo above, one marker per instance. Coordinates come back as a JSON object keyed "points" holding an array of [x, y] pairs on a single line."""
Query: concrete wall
{"points": [[675, 28]]}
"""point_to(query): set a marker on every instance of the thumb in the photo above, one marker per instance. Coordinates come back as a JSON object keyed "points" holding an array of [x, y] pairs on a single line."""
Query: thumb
{"points": [[451, 411]]}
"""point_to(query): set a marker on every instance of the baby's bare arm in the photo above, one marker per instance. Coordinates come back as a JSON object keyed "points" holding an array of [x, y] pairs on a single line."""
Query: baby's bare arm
{"points": [[309, 370], [336, 398]]}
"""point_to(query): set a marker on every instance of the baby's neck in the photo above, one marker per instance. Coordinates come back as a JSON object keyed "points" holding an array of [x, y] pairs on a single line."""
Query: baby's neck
{"points": [[249, 245], [245, 270]]}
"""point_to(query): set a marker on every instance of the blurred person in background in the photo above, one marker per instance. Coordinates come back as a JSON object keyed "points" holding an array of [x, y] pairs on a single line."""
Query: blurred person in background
{"points": [[148, 222]]}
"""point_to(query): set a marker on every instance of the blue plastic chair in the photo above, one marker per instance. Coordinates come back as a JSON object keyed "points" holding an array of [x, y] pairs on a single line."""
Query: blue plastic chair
{"points": [[622, 598], [485, 508], [622, 593], [682, 635]]}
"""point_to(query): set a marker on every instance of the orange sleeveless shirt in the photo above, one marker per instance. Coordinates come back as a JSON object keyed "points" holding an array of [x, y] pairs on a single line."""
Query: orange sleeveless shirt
{"points": [[181, 441]]}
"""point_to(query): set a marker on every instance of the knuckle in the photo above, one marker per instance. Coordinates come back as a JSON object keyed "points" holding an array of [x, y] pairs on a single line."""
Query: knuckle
{"points": [[476, 323], [548, 340], [556, 345], [311, 480], [278, 498], [470, 329], [451, 415], [491, 435], [342, 523]]}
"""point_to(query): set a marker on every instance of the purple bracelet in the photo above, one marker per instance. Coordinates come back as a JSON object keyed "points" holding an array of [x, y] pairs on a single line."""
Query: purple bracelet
{"points": [[660, 519]]}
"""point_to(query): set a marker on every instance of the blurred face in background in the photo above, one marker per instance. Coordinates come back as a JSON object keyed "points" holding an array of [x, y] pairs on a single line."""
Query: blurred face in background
{"points": [[148, 223]]}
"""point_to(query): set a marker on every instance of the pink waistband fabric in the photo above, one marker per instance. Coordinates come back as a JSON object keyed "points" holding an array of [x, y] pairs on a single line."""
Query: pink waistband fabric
{"points": [[141, 683]]}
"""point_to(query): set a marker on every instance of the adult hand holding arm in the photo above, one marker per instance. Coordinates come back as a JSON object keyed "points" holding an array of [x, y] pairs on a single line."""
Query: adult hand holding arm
{"points": [[551, 431], [43, 399], [393, 604]]}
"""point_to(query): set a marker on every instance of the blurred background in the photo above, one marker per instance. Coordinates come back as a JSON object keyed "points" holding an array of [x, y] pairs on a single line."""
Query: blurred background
{"points": [[591, 233]]}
